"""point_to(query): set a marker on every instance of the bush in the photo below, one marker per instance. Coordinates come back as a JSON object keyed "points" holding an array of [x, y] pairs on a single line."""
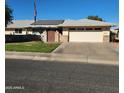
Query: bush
{"points": [[22, 38]]}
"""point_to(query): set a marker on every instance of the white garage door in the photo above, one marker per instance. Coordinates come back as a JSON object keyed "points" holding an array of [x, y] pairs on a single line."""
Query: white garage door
{"points": [[85, 37]]}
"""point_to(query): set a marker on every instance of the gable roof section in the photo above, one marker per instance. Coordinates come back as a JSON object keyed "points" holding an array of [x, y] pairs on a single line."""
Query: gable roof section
{"points": [[48, 22], [20, 23], [85, 22], [57, 23]]}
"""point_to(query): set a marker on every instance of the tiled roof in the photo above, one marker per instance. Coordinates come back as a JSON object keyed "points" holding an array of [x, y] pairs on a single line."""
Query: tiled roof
{"points": [[85, 22]]}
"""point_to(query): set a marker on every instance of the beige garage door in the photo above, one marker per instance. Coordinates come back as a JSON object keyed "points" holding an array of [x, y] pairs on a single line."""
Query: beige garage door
{"points": [[85, 37]]}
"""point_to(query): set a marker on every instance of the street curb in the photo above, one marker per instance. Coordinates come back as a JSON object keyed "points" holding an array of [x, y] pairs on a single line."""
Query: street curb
{"points": [[58, 57]]}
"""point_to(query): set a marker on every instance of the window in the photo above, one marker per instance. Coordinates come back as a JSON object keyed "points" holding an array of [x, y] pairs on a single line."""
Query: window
{"points": [[18, 31], [98, 28], [72, 29], [29, 29], [80, 28], [89, 28]]}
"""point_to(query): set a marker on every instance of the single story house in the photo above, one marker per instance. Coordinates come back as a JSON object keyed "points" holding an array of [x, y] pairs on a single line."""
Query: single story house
{"points": [[84, 30], [18, 27]]}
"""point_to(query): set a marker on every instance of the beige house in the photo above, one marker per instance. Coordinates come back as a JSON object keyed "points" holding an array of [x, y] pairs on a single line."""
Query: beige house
{"points": [[18, 27], [83, 30], [86, 30]]}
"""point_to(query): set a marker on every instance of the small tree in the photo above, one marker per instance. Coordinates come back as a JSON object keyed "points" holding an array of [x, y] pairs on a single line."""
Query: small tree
{"points": [[95, 18], [8, 15]]}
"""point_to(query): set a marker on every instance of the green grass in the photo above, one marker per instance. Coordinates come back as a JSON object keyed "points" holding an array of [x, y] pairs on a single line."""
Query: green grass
{"points": [[31, 47]]}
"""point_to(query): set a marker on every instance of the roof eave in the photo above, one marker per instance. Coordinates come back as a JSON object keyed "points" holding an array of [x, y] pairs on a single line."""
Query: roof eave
{"points": [[84, 25]]}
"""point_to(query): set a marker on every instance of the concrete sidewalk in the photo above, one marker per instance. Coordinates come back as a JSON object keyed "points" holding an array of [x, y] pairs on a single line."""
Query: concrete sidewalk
{"points": [[59, 57]]}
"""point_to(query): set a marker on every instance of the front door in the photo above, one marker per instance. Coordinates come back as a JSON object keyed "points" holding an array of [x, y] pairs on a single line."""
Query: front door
{"points": [[50, 36]]}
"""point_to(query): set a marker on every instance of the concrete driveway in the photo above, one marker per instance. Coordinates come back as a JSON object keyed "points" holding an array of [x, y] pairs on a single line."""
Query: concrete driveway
{"points": [[102, 51]]}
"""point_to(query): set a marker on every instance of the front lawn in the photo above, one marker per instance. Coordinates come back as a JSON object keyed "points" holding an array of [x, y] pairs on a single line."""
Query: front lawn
{"points": [[31, 47]]}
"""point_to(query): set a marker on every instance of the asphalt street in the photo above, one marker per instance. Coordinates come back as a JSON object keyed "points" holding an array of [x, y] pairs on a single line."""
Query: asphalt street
{"points": [[28, 76]]}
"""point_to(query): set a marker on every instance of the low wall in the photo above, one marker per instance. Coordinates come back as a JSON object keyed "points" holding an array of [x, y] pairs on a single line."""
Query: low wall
{"points": [[21, 38]]}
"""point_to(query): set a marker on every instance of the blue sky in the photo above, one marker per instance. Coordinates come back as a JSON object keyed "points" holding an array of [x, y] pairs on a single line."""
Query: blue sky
{"points": [[65, 9]]}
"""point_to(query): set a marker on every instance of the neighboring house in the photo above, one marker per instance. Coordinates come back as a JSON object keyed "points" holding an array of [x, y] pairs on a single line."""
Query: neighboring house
{"points": [[84, 30], [115, 32], [117, 36], [18, 27]]}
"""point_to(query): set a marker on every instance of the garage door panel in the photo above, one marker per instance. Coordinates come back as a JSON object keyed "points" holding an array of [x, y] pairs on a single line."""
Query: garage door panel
{"points": [[86, 37]]}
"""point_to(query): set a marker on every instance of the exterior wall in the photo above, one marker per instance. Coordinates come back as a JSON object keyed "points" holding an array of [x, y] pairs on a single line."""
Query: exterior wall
{"points": [[29, 32], [9, 32], [106, 36], [65, 35], [44, 36], [63, 38], [23, 32], [56, 36]]}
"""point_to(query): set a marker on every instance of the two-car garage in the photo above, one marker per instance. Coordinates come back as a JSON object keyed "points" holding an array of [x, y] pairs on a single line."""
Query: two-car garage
{"points": [[86, 30], [85, 36]]}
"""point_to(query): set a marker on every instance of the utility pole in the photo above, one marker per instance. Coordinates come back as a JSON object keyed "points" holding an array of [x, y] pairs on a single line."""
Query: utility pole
{"points": [[35, 11]]}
